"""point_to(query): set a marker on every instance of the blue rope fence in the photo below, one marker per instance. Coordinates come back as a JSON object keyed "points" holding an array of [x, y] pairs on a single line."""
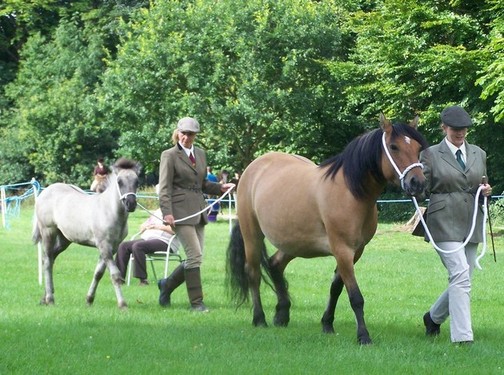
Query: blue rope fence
{"points": [[10, 205]]}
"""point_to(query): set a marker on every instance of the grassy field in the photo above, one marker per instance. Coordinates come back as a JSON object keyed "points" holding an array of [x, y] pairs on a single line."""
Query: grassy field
{"points": [[399, 275]]}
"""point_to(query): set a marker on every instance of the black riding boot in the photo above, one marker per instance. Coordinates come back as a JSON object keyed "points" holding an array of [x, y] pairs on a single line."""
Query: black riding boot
{"points": [[194, 289], [168, 285]]}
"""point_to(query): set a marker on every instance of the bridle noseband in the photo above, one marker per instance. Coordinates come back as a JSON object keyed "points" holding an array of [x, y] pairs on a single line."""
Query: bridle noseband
{"points": [[122, 197]]}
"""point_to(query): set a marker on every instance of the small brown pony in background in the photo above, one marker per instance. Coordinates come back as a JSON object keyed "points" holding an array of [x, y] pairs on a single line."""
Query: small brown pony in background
{"points": [[305, 210]]}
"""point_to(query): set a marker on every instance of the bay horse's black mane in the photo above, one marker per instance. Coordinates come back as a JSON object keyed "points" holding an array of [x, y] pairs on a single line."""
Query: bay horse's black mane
{"points": [[363, 155]]}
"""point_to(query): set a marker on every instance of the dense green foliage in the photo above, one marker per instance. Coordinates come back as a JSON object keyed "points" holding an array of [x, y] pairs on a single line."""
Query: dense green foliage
{"points": [[83, 79]]}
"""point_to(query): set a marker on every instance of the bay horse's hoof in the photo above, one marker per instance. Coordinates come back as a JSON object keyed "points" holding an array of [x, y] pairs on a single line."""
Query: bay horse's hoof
{"points": [[327, 328], [363, 337], [260, 323], [281, 321], [281, 318], [259, 320], [364, 341]]}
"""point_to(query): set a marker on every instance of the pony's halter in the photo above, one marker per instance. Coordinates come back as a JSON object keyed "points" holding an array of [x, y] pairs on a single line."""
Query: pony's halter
{"points": [[406, 170], [123, 196]]}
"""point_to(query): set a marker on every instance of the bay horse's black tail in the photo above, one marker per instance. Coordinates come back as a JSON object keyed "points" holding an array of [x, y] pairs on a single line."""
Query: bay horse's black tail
{"points": [[236, 275]]}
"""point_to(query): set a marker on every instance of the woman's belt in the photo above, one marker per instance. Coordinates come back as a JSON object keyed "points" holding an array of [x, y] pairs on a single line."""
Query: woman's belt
{"points": [[195, 189]]}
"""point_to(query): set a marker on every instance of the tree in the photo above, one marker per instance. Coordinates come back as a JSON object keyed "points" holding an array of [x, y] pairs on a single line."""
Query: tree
{"points": [[253, 73], [53, 94], [413, 57], [491, 79], [113, 77], [49, 112]]}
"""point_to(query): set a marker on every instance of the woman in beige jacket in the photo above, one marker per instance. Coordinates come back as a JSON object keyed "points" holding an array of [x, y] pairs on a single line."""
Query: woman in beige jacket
{"points": [[182, 183]]}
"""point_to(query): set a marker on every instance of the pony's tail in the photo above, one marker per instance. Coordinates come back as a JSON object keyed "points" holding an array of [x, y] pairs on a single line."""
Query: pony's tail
{"points": [[36, 237], [236, 276]]}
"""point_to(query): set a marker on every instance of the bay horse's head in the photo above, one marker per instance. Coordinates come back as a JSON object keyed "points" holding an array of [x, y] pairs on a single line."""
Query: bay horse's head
{"points": [[402, 145], [126, 173]]}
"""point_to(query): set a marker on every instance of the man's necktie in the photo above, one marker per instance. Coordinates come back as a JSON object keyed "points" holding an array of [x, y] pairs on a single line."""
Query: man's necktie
{"points": [[459, 159], [193, 160]]}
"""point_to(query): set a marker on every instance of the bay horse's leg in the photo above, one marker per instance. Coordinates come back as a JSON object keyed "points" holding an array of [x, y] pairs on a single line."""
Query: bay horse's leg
{"points": [[357, 303], [255, 254], [335, 291], [347, 272], [254, 275], [277, 264]]}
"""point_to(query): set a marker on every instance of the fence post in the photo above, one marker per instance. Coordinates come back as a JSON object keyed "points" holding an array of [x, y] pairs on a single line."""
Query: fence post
{"points": [[230, 213], [4, 206], [39, 245]]}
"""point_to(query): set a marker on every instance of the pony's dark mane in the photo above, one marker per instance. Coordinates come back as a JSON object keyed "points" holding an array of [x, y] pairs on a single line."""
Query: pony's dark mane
{"points": [[363, 155]]}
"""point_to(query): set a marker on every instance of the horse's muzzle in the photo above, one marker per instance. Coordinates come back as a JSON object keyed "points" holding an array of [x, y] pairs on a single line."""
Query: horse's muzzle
{"points": [[130, 203], [415, 186]]}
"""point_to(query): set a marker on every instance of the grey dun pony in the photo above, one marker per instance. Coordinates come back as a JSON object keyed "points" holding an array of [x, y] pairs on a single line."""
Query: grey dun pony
{"points": [[65, 214]]}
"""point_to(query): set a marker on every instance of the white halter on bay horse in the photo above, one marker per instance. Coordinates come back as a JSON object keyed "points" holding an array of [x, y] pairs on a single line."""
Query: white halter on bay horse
{"points": [[65, 214], [308, 210]]}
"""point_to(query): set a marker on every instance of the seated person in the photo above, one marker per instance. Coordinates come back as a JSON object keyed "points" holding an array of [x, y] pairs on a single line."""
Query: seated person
{"points": [[154, 237], [100, 176]]}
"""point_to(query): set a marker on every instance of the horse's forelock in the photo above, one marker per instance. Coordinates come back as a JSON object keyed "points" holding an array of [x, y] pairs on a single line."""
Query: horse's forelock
{"points": [[124, 163], [402, 129]]}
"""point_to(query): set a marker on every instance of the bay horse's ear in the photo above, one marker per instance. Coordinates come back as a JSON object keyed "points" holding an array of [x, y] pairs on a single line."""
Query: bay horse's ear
{"points": [[414, 122], [385, 124]]}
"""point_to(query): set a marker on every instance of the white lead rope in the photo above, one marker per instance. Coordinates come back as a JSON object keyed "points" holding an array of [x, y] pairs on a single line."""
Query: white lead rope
{"points": [[473, 225], [207, 208]]}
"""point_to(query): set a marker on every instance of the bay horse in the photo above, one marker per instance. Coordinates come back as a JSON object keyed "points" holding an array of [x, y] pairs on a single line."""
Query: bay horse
{"points": [[65, 214], [308, 210]]}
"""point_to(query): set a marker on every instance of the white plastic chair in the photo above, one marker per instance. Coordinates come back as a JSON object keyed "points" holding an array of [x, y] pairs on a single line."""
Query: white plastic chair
{"points": [[165, 256]]}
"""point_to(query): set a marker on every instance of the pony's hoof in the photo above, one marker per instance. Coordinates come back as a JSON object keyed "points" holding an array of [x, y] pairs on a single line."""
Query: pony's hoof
{"points": [[259, 320], [364, 341], [123, 306], [280, 322], [260, 324], [363, 337], [327, 328], [89, 300], [47, 301], [281, 318]]}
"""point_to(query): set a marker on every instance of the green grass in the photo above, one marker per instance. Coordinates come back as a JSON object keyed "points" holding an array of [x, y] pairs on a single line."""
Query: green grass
{"points": [[399, 275]]}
